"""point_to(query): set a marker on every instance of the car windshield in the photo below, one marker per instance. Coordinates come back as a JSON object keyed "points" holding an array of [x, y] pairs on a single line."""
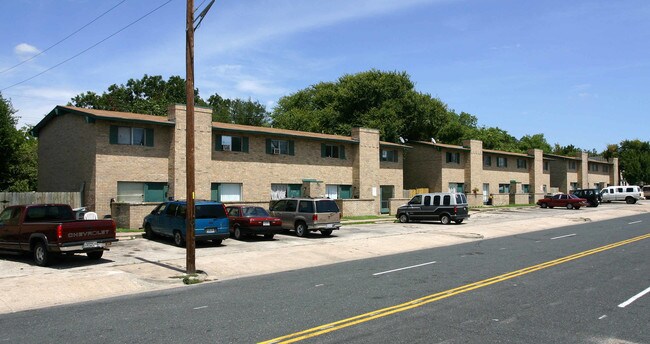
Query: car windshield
{"points": [[255, 211], [326, 207], [208, 211]]}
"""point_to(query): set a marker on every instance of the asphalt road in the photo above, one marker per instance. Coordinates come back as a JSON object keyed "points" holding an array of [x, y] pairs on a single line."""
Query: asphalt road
{"points": [[574, 284]]}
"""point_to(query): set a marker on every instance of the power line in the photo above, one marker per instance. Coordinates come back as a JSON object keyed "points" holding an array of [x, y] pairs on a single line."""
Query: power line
{"points": [[85, 50], [61, 41]]}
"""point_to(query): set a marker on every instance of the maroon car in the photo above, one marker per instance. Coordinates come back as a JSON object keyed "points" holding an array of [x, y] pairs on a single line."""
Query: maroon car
{"points": [[252, 220], [563, 200]]}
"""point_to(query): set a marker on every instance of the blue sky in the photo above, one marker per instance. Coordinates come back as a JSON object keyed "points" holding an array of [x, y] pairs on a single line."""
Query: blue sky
{"points": [[576, 71]]}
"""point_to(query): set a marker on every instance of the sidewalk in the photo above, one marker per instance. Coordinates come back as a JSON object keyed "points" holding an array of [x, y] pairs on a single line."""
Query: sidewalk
{"points": [[136, 265]]}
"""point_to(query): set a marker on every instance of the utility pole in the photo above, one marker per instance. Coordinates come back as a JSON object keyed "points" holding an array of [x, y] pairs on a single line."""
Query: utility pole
{"points": [[189, 140]]}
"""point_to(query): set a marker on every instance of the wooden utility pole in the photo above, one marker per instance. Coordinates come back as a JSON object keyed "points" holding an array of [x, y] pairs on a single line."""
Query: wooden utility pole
{"points": [[189, 142]]}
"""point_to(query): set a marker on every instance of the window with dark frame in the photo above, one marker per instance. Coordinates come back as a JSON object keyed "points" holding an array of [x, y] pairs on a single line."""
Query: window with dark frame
{"points": [[453, 158], [388, 155], [502, 161], [132, 136]]}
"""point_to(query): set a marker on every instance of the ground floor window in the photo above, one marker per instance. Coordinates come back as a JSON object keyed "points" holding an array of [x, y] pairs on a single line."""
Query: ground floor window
{"points": [[525, 188], [138, 192], [226, 192], [457, 187], [280, 191], [504, 188], [339, 191], [574, 186]]}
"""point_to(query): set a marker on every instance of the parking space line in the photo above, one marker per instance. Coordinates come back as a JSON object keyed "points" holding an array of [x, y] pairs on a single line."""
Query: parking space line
{"points": [[564, 236], [634, 298], [631, 223], [404, 268]]}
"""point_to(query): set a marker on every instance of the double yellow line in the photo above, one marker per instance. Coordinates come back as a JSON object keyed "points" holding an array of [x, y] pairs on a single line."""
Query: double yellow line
{"points": [[335, 326]]}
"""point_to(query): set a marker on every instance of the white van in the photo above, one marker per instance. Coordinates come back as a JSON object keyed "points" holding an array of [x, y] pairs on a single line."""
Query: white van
{"points": [[628, 193]]}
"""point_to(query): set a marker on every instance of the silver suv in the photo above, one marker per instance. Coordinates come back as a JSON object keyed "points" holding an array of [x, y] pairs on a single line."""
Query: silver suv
{"points": [[308, 215]]}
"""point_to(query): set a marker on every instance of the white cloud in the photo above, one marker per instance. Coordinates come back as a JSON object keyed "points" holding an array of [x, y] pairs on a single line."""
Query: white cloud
{"points": [[25, 51]]}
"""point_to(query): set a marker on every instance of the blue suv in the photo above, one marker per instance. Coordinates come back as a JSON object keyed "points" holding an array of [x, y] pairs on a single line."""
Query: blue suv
{"points": [[169, 219]]}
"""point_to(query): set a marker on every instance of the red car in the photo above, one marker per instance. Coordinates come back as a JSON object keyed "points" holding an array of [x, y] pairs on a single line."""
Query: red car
{"points": [[252, 220], [563, 200]]}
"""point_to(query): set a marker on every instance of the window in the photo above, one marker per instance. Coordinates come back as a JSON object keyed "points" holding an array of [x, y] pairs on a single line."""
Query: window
{"points": [[332, 151], [226, 192], [525, 188], [436, 200], [284, 147], [487, 160], [546, 165], [231, 143], [130, 136], [427, 200], [136, 192], [504, 188], [502, 161], [339, 191], [446, 200], [306, 207], [280, 191], [571, 165], [593, 167], [457, 187], [521, 163], [574, 186], [605, 168], [388, 155], [453, 157]]}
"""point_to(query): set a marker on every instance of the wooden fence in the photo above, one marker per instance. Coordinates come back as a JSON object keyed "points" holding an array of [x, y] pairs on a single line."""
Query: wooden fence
{"points": [[15, 198]]}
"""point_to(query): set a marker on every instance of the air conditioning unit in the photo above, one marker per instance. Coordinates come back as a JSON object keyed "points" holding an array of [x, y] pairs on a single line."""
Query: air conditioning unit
{"points": [[276, 150], [226, 148]]}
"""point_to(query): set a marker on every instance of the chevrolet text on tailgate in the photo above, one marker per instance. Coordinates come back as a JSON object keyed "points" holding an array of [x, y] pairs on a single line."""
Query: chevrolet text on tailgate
{"points": [[50, 229]]}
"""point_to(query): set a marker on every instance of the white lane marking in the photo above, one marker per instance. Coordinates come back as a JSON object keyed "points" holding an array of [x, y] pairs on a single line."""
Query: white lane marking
{"points": [[408, 267], [631, 223], [200, 307], [633, 298], [319, 285], [563, 236], [602, 317]]}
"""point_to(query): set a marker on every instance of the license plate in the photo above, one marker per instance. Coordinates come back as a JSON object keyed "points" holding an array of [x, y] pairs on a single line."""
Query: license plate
{"points": [[209, 230], [329, 225], [90, 244], [266, 223]]}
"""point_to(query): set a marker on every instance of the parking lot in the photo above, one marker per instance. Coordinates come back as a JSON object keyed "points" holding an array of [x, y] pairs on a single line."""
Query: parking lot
{"points": [[135, 264]]}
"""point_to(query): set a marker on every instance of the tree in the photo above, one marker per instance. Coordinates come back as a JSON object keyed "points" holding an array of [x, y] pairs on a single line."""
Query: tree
{"points": [[634, 161], [238, 111], [18, 154], [537, 141], [149, 95]]}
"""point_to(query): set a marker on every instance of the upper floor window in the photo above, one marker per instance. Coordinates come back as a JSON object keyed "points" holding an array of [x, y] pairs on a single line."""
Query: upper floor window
{"points": [[453, 157], [571, 164], [231, 143], [487, 160], [546, 165], [521, 163], [502, 161], [130, 136], [388, 155], [593, 167], [332, 151], [605, 168], [274, 146]]}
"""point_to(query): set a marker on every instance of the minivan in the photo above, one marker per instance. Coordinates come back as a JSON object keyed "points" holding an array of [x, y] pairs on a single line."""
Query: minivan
{"points": [[440, 206], [169, 219], [308, 215], [628, 193]]}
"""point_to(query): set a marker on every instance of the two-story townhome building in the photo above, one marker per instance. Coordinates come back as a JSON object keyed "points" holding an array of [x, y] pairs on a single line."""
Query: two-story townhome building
{"points": [[581, 171], [124, 163]]}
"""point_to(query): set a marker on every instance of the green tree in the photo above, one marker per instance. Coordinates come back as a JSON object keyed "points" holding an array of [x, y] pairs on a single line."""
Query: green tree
{"points": [[537, 141], [18, 154], [149, 95], [634, 161], [238, 111]]}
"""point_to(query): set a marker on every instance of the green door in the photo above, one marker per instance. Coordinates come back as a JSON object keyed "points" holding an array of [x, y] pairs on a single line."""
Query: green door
{"points": [[155, 192], [386, 193]]}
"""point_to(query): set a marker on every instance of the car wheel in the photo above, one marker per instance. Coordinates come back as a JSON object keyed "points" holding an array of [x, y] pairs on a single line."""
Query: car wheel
{"points": [[41, 256], [268, 236], [326, 232], [238, 234], [569, 206], [445, 219], [148, 232], [178, 239], [630, 200], [301, 229], [403, 218], [543, 205], [458, 221], [95, 255]]}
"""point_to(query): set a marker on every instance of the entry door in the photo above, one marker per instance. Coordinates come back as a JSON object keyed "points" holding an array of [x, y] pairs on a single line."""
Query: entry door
{"points": [[386, 193], [486, 193]]}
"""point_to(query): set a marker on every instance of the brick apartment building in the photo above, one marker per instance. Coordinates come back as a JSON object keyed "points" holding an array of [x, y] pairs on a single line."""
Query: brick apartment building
{"points": [[511, 178], [125, 163]]}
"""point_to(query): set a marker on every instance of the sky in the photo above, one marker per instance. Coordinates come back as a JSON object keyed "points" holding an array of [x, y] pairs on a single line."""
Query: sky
{"points": [[576, 71]]}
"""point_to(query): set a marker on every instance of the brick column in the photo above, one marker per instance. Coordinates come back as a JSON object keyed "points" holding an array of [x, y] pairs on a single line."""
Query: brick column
{"points": [[365, 176], [583, 174], [537, 173]]}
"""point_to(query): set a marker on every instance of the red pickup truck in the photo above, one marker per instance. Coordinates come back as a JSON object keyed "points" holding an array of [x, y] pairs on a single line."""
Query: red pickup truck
{"points": [[47, 229]]}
